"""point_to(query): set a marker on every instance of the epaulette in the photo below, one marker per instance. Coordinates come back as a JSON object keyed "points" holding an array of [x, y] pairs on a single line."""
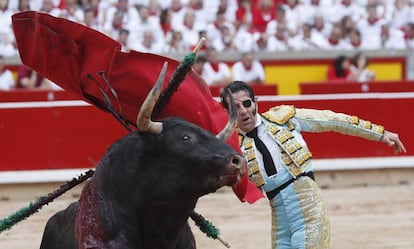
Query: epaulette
{"points": [[279, 114]]}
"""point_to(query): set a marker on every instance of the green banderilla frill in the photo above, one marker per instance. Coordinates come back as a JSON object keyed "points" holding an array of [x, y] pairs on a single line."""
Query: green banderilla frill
{"points": [[34, 207]]}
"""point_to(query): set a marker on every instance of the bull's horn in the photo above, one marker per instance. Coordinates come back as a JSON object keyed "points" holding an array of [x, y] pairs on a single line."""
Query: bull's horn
{"points": [[144, 122], [226, 133]]}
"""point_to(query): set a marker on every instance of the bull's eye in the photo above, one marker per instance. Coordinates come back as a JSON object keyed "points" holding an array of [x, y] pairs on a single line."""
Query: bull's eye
{"points": [[186, 137]]}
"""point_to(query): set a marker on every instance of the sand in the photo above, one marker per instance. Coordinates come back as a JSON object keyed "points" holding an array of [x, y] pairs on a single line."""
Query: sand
{"points": [[361, 217]]}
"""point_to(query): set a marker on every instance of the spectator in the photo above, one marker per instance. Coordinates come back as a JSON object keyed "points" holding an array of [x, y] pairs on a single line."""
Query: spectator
{"points": [[126, 17], [199, 63], [176, 44], [23, 5], [340, 70], [409, 35], [398, 14], [5, 15], [335, 41], [90, 20], [248, 69], [293, 14], [262, 14], [214, 71], [7, 43], [146, 22], [370, 27], [280, 41], [262, 43], [48, 8], [28, 78], [307, 39], [225, 41], [72, 11], [321, 26], [147, 44], [189, 29], [123, 39], [244, 15], [177, 13], [359, 68], [392, 38], [6, 77], [213, 29], [280, 17], [165, 22]]}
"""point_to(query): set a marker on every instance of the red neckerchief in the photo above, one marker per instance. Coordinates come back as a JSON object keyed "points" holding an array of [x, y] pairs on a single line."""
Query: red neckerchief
{"points": [[356, 44], [188, 26], [372, 21], [280, 37], [176, 9], [166, 27], [248, 68], [214, 66], [320, 28], [332, 42]]}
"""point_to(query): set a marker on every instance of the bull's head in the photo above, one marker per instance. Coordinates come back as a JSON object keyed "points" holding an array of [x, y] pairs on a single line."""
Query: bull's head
{"points": [[197, 153]]}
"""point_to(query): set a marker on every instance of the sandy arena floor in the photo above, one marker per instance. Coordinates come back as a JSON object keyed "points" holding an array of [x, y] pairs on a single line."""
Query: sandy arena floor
{"points": [[361, 217]]}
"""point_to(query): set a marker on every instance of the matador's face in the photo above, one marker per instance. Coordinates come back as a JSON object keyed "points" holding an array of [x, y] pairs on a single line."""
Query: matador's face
{"points": [[246, 111]]}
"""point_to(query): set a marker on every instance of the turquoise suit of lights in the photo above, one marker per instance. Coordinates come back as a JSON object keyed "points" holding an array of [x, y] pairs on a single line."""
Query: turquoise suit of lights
{"points": [[299, 216]]}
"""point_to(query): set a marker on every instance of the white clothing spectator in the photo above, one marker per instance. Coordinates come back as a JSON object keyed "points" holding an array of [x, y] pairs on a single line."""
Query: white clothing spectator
{"points": [[244, 41], [122, 10], [146, 22], [346, 8], [320, 26], [335, 41], [293, 15], [177, 13], [215, 72], [189, 28], [279, 41], [307, 39], [6, 77], [398, 14], [392, 38], [147, 44], [5, 15], [370, 27], [213, 29], [248, 69], [7, 48]]}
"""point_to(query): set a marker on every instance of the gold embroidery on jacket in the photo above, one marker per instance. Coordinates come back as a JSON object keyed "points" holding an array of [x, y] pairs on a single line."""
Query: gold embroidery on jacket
{"points": [[279, 114], [252, 164]]}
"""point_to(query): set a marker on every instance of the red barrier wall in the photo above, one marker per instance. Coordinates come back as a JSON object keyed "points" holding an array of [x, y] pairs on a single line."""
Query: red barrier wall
{"points": [[72, 134]]}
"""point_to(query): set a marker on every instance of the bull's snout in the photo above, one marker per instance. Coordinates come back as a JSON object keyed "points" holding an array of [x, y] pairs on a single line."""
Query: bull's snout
{"points": [[238, 162]]}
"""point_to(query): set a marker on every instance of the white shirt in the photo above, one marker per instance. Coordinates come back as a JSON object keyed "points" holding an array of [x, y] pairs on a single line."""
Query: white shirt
{"points": [[6, 80], [271, 145], [241, 73]]}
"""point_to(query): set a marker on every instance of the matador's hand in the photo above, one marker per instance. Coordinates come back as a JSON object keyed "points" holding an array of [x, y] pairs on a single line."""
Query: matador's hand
{"points": [[392, 139]]}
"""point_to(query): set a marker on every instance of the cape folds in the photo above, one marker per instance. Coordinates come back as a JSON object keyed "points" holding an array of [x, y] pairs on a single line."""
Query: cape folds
{"points": [[75, 57]]}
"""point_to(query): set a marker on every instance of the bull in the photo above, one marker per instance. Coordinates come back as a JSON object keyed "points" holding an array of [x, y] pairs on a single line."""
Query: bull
{"points": [[146, 185]]}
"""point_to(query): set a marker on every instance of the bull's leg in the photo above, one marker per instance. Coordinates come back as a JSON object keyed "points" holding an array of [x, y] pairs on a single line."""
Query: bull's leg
{"points": [[187, 240], [59, 232]]}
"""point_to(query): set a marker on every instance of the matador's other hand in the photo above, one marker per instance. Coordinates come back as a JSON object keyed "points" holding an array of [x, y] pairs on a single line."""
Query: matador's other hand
{"points": [[392, 139]]}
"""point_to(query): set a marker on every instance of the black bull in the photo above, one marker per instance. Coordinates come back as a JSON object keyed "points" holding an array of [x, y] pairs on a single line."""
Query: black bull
{"points": [[146, 186]]}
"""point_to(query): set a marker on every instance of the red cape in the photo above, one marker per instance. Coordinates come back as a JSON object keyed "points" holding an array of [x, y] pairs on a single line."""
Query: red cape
{"points": [[67, 52]]}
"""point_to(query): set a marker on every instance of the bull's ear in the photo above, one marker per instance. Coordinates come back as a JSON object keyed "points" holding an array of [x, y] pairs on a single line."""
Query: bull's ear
{"points": [[226, 133], [144, 122]]}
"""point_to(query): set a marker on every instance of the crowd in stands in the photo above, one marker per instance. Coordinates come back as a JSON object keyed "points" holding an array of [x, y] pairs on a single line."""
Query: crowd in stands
{"points": [[245, 26], [165, 26]]}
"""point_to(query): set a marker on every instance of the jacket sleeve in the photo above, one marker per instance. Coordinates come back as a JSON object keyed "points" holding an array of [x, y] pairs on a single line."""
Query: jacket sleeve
{"points": [[325, 120]]}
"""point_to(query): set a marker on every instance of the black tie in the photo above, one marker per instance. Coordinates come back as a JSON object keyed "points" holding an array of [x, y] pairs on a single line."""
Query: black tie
{"points": [[267, 158]]}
